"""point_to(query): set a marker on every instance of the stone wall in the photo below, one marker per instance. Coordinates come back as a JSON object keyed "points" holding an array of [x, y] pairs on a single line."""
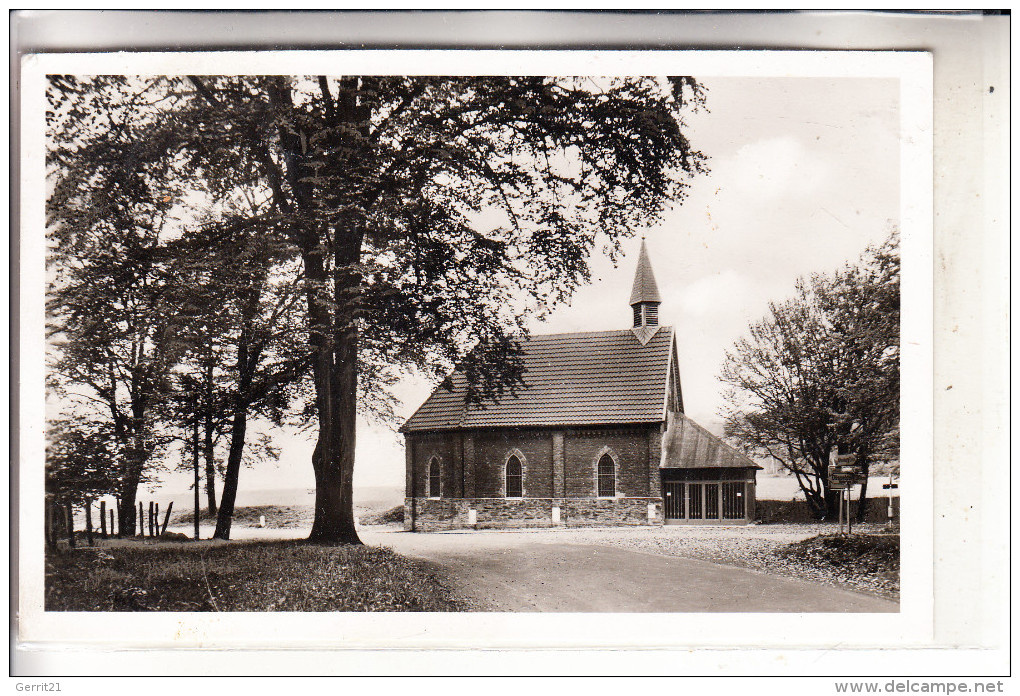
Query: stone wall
{"points": [[429, 515]]}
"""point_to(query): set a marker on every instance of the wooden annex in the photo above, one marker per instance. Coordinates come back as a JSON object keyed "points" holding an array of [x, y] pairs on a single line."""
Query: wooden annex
{"points": [[597, 436]]}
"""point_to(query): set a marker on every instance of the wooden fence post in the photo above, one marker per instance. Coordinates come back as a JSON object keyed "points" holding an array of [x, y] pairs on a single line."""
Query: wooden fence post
{"points": [[141, 520], [166, 520], [70, 524], [151, 531], [155, 518], [88, 520], [102, 518]]}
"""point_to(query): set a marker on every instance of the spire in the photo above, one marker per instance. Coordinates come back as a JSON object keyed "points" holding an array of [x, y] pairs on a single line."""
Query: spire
{"points": [[644, 298], [645, 289]]}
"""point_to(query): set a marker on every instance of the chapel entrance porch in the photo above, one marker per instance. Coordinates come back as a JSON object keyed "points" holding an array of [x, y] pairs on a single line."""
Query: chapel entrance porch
{"points": [[708, 495]]}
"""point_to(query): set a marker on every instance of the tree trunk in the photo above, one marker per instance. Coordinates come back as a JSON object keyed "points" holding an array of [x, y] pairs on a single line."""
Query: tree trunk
{"points": [[136, 461], [69, 515], [337, 399], [51, 539], [832, 501], [862, 502], [333, 333], [333, 459], [88, 521], [237, 434], [210, 466], [127, 508], [210, 463]]}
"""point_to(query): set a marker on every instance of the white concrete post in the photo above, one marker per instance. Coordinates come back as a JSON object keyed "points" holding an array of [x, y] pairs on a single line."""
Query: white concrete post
{"points": [[651, 513], [472, 517], [556, 514]]}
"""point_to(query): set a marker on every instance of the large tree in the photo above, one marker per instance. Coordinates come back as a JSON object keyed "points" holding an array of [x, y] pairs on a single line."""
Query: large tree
{"points": [[115, 340], [430, 215], [820, 375], [253, 352], [113, 302]]}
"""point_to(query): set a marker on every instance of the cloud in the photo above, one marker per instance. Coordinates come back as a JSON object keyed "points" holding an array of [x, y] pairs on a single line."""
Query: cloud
{"points": [[718, 293], [773, 168]]}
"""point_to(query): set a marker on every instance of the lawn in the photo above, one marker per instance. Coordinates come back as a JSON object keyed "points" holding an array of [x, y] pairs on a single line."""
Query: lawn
{"points": [[241, 576]]}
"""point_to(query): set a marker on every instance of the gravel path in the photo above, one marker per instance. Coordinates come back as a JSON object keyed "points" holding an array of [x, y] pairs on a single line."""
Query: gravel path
{"points": [[607, 570], [752, 547]]}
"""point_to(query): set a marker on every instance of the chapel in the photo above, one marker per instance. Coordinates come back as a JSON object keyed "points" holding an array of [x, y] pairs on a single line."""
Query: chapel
{"points": [[596, 436]]}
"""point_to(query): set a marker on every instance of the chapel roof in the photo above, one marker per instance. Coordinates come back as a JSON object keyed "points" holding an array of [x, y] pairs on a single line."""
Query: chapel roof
{"points": [[573, 379], [687, 445]]}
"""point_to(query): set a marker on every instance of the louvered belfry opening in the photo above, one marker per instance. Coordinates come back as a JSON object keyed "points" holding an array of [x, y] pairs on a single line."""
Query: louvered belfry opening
{"points": [[644, 296]]}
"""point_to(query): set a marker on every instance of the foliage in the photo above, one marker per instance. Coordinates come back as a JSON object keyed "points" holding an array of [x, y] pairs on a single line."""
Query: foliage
{"points": [[82, 461], [247, 576], [820, 374], [250, 350], [429, 216]]}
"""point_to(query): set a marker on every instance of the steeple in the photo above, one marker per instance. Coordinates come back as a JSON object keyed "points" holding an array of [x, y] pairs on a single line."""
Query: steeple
{"points": [[644, 297]]}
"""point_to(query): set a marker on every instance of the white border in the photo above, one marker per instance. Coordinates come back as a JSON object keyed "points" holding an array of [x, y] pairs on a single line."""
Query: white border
{"points": [[911, 627]]}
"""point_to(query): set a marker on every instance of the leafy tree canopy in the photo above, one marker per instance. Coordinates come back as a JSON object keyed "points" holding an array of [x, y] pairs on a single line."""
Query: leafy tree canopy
{"points": [[430, 215], [820, 373]]}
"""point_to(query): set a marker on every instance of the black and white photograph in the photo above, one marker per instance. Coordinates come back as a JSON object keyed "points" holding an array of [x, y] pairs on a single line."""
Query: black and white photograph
{"points": [[252, 276], [328, 345]]}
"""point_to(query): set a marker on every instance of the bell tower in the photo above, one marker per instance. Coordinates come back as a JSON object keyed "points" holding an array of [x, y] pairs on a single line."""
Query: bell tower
{"points": [[644, 298]]}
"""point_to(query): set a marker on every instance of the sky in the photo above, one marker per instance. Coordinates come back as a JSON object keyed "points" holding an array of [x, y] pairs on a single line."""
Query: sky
{"points": [[805, 174]]}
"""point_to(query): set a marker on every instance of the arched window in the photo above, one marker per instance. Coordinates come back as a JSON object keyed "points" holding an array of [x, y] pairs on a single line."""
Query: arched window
{"points": [[514, 478], [435, 478], [607, 477]]}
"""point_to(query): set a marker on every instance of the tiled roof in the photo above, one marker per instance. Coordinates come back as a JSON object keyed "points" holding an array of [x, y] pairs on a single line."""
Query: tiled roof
{"points": [[604, 377], [687, 445], [645, 288]]}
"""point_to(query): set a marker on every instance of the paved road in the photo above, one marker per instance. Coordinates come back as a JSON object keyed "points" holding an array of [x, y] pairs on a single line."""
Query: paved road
{"points": [[519, 571]]}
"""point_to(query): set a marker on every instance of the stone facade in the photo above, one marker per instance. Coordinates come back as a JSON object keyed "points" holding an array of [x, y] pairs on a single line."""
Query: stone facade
{"points": [[559, 471], [431, 515]]}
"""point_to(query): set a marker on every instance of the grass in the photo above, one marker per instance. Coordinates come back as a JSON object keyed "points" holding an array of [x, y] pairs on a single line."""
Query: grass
{"points": [[242, 576], [394, 515]]}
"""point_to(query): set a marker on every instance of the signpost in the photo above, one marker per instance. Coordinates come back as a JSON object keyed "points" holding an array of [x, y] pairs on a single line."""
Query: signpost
{"points": [[890, 487], [843, 475]]}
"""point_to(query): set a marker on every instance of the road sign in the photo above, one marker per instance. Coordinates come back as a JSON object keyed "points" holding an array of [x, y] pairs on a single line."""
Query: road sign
{"points": [[887, 486], [845, 473]]}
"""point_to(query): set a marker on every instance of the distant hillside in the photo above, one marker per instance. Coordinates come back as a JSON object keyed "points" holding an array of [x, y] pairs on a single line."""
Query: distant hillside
{"points": [[365, 498], [378, 497]]}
